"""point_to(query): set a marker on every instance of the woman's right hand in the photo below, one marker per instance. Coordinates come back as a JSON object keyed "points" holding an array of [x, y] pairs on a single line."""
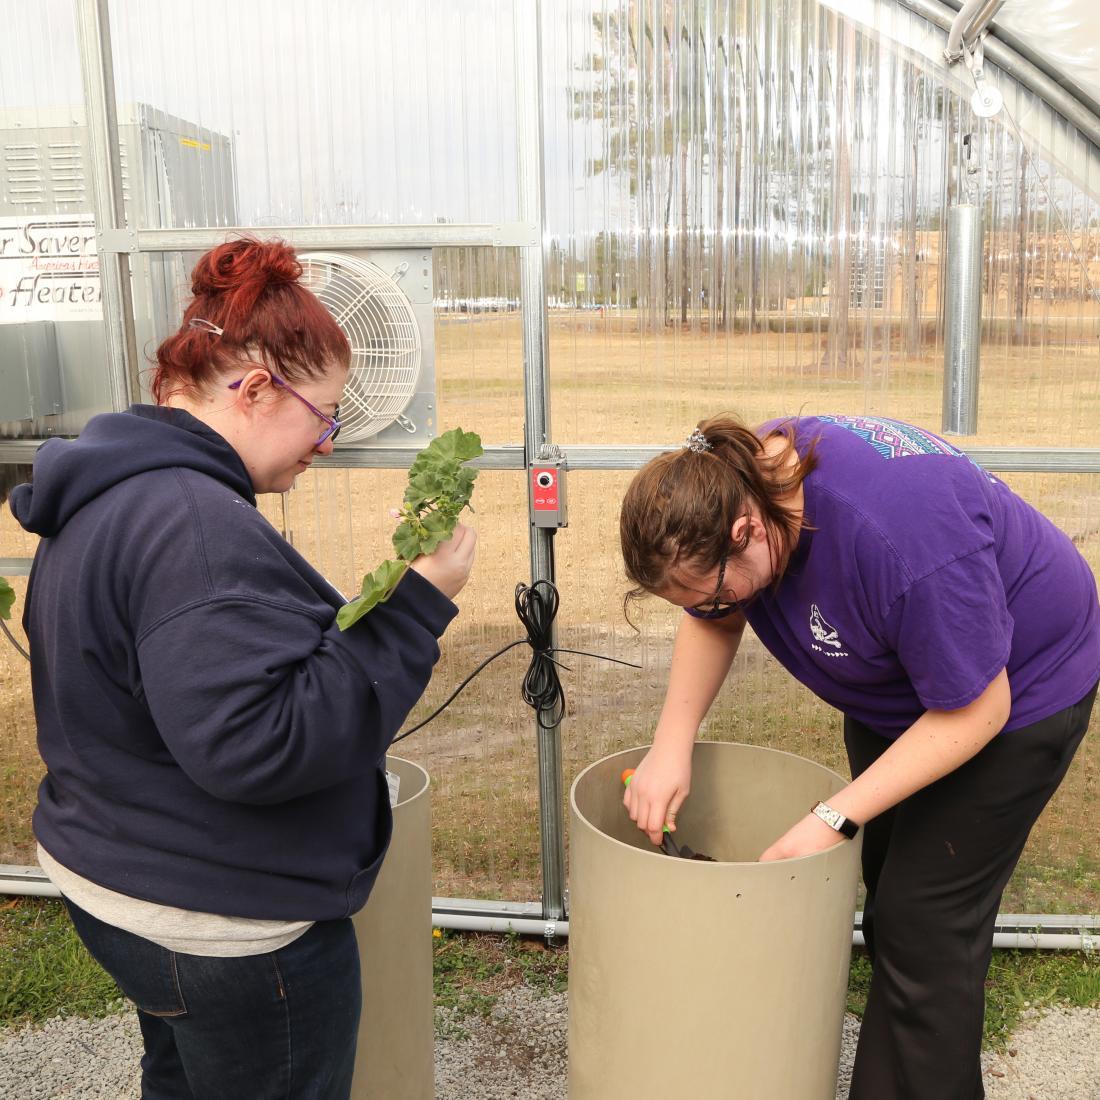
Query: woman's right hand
{"points": [[658, 788], [448, 566]]}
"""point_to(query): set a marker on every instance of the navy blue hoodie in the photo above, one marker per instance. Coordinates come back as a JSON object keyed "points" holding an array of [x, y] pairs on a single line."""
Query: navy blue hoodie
{"points": [[212, 740]]}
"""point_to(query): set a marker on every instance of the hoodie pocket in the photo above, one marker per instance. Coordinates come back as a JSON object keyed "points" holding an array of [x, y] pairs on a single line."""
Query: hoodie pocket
{"points": [[362, 882]]}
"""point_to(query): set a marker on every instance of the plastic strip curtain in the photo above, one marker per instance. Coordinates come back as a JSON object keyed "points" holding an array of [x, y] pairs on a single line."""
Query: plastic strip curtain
{"points": [[746, 204], [338, 112]]}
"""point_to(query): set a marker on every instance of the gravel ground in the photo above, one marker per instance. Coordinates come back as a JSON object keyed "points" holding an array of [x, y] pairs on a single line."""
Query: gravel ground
{"points": [[519, 1054]]}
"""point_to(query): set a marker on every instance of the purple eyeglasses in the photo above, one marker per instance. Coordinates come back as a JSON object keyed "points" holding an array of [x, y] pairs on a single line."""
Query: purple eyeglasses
{"points": [[333, 422]]}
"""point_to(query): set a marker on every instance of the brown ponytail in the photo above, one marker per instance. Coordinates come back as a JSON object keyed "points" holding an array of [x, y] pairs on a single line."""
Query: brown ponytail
{"points": [[250, 289], [681, 505]]}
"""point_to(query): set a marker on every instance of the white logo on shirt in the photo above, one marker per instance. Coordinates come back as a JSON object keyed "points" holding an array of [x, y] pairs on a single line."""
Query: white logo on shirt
{"points": [[824, 633]]}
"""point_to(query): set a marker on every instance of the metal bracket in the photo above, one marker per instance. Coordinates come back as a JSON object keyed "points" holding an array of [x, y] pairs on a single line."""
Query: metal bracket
{"points": [[117, 240], [519, 234]]}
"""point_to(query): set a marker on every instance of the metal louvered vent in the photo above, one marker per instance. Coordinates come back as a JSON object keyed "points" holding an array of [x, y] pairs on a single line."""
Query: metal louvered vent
{"points": [[380, 325], [22, 175], [66, 170]]}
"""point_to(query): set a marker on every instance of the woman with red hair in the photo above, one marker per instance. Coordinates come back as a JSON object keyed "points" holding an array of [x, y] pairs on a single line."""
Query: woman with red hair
{"points": [[215, 806]]}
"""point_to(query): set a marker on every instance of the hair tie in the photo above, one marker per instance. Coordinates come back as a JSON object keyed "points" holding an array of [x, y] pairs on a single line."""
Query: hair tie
{"points": [[697, 443]]}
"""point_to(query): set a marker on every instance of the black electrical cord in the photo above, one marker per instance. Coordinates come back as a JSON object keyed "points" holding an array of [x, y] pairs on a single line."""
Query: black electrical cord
{"points": [[12, 638], [537, 607]]}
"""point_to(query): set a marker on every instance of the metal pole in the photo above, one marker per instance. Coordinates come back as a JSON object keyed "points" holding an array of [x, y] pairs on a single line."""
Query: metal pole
{"points": [[973, 18], [962, 329], [93, 26], [536, 389]]}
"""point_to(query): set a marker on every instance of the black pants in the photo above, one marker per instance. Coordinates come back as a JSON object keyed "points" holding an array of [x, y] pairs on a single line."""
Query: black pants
{"points": [[935, 867]]}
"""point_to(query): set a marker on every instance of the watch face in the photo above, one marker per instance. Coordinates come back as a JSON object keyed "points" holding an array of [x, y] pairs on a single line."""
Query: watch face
{"points": [[827, 814]]}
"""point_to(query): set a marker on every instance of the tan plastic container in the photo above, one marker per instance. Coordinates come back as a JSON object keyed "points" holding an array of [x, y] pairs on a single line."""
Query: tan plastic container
{"points": [[707, 980], [396, 1054]]}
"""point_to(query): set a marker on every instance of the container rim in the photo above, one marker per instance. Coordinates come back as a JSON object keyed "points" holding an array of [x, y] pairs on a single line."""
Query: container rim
{"points": [[695, 865], [423, 780]]}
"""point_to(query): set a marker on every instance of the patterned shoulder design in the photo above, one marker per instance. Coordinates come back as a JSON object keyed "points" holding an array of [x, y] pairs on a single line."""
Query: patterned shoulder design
{"points": [[895, 439]]}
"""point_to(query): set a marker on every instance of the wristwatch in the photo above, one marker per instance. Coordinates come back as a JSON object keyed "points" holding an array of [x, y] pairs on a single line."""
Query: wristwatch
{"points": [[835, 819]]}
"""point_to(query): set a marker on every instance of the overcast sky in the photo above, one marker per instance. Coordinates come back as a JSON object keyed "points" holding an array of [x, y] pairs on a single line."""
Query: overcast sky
{"points": [[361, 110], [339, 111]]}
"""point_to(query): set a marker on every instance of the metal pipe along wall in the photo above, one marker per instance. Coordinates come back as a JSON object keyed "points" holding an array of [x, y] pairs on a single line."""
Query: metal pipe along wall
{"points": [[963, 320]]}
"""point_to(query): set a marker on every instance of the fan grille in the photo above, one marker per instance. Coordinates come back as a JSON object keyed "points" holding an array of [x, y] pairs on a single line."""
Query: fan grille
{"points": [[382, 330]]}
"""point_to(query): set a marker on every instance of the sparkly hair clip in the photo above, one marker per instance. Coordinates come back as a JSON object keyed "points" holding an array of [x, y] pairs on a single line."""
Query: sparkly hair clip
{"points": [[697, 443], [205, 326]]}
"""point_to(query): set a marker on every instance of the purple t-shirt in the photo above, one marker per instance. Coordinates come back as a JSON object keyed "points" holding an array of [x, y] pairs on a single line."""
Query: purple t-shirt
{"points": [[922, 576]]}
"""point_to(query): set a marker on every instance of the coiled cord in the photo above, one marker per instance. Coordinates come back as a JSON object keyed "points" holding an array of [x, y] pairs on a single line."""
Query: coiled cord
{"points": [[536, 607]]}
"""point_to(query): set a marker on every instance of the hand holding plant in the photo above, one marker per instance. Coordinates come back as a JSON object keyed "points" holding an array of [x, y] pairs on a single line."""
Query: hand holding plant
{"points": [[439, 488]]}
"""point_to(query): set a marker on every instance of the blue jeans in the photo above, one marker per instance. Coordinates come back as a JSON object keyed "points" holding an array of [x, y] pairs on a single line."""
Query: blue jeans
{"points": [[279, 1026]]}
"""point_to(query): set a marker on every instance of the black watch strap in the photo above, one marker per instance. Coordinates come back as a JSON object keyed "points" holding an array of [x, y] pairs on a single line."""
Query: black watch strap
{"points": [[835, 819]]}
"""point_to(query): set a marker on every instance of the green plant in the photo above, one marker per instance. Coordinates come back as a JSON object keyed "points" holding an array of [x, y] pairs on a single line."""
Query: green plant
{"points": [[473, 969], [439, 487], [1018, 981], [7, 598], [45, 969], [543, 968], [467, 973]]}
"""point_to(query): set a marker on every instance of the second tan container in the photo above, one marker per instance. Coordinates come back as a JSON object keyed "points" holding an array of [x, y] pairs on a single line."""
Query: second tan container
{"points": [[396, 1053], [707, 980]]}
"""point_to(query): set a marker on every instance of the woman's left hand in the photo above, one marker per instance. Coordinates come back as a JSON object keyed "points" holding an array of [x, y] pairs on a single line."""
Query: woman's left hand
{"points": [[809, 835]]}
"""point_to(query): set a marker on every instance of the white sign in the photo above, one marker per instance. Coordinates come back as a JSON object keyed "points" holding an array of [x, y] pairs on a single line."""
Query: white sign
{"points": [[49, 270]]}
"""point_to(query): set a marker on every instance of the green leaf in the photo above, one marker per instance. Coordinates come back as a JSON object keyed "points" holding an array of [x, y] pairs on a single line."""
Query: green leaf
{"points": [[377, 588], [439, 488], [439, 527], [7, 599], [423, 488], [406, 541], [450, 449]]}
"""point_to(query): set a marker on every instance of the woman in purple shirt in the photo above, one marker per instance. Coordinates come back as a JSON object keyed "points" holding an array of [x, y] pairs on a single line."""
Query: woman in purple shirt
{"points": [[956, 629]]}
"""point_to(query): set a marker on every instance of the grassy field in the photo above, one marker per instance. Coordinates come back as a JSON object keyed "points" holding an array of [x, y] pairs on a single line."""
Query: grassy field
{"points": [[616, 383]]}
